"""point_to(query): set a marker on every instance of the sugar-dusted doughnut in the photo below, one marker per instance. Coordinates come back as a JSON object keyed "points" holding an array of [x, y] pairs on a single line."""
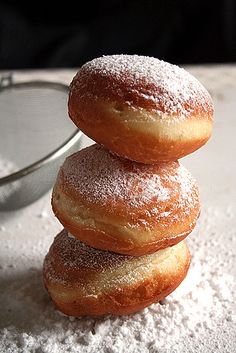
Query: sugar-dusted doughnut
{"points": [[115, 204], [86, 281], [141, 108]]}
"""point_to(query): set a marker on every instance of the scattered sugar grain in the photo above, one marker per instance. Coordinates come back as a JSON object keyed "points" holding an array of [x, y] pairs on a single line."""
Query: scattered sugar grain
{"points": [[42, 214]]}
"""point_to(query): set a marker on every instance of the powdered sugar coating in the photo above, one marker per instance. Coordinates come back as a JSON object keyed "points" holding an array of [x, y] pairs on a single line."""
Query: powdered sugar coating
{"points": [[71, 262], [143, 82], [101, 178], [75, 254]]}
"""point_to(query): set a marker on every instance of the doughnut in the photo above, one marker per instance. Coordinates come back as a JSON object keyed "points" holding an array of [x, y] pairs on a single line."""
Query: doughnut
{"points": [[85, 281], [115, 204], [141, 108]]}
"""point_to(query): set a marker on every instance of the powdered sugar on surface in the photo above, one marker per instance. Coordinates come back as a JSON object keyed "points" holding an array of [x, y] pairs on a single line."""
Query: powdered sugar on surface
{"points": [[200, 314], [168, 88]]}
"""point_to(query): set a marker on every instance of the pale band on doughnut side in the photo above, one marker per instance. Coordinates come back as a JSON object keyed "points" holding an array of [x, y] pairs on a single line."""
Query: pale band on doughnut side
{"points": [[86, 281], [115, 204], [141, 108]]}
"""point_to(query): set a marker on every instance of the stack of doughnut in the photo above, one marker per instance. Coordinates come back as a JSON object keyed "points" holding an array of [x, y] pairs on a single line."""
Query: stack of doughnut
{"points": [[126, 203]]}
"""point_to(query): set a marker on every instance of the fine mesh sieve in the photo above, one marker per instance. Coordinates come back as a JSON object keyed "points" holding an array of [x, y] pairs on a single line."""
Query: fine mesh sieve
{"points": [[36, 135]]}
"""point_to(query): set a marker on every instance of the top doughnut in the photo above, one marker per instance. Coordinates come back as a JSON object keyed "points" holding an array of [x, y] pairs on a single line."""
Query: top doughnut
{"points": [[140, 107]]}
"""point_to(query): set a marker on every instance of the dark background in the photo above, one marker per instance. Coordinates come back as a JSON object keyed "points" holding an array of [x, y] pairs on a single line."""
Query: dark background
{"points": [[68, 35]]}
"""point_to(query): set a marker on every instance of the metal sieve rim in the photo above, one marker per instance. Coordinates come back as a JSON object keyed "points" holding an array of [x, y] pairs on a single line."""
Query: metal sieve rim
{"points": [[6, 83]]}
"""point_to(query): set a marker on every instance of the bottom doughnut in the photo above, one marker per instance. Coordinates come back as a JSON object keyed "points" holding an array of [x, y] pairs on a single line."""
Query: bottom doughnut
{"points": [[85, 281]]}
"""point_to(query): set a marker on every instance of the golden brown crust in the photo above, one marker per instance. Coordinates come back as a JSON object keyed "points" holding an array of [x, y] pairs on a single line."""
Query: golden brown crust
{"points": [[162, 142], [115, 204], [121, 245], [85, 281], [137, 111]]}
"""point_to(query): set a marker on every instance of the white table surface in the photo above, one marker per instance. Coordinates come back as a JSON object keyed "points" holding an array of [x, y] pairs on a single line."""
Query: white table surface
{"points": [[25, 236]]}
